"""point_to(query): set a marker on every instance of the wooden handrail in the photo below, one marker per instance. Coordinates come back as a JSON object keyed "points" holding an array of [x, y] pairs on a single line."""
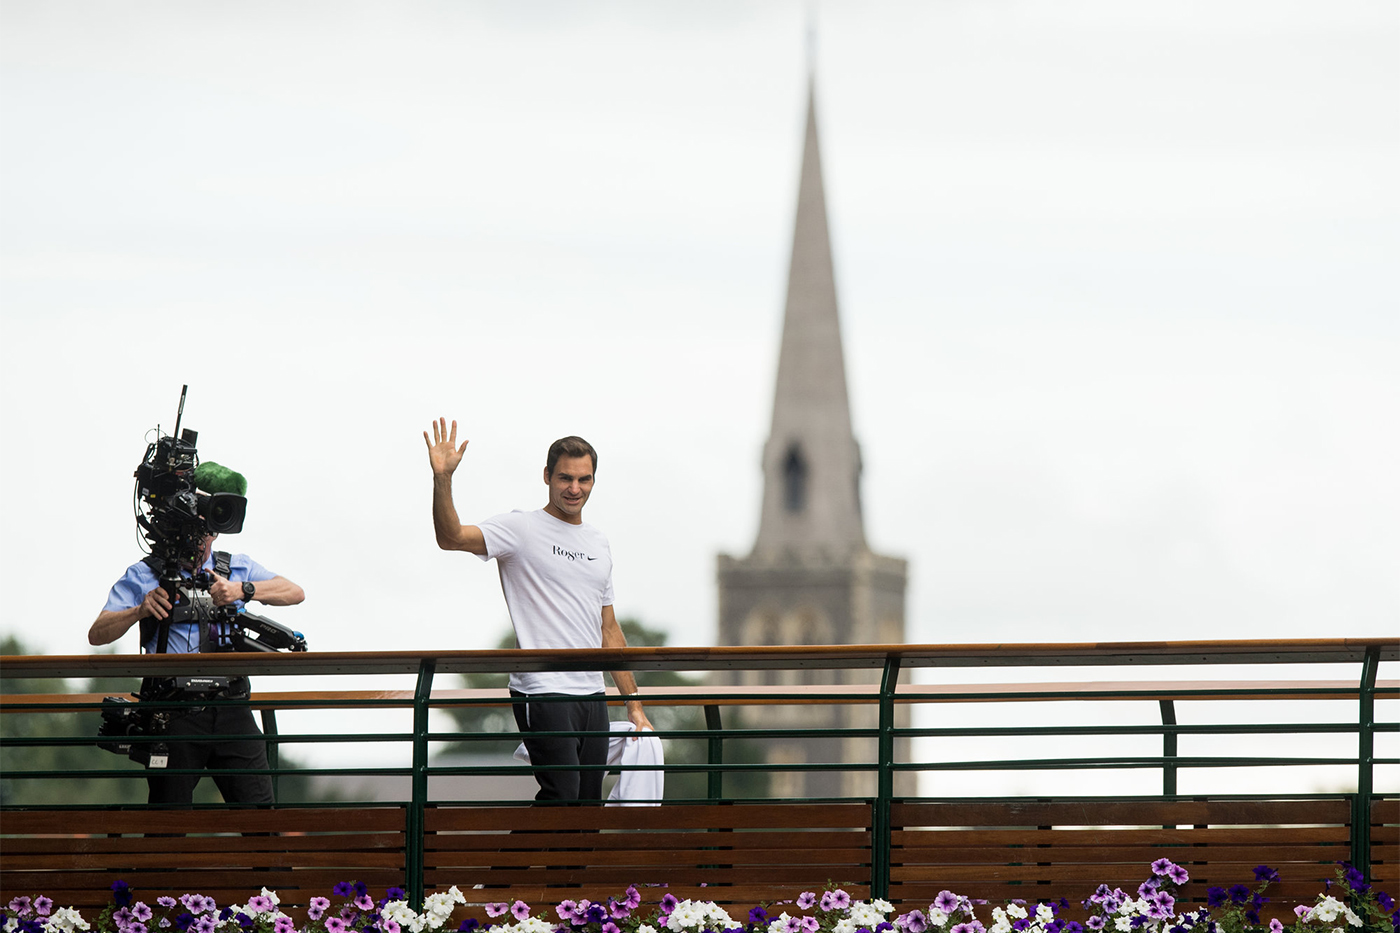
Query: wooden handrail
{"points": [[1298, 651], [814, 694]]}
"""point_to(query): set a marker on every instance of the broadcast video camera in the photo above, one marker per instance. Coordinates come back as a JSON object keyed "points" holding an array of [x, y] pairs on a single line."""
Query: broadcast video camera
{"points": [[178, 502]]}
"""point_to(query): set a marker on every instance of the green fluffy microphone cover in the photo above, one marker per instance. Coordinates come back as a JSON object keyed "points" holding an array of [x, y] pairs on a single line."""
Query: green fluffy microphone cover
{"points": [[212, 477]]}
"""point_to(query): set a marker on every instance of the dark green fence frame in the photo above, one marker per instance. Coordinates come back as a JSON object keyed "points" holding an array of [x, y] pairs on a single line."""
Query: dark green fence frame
{"points": [[890, 661]]}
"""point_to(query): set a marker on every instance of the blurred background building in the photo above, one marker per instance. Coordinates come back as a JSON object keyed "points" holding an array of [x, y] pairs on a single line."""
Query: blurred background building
{"points": [[811, 578]]}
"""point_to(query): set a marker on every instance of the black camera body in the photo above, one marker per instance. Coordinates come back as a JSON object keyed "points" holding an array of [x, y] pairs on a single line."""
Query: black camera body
{"points": [[122, 719], [174, 518]]}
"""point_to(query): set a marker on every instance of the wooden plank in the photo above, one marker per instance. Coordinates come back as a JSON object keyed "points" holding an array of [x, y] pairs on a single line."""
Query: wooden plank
{"points": [[227, 861], [175, 844], [1262, 852], [669, 817], [1119, 812], [764, 695], [660, 857], [1166, 838], [812, 840], [337, 819]]}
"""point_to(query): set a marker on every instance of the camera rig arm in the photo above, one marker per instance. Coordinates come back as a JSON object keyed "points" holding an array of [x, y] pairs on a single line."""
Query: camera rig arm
{"points": [[252, 632]]}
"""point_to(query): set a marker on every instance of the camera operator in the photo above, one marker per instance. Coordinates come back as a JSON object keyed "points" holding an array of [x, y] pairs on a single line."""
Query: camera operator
{"points": [[183, 627]]}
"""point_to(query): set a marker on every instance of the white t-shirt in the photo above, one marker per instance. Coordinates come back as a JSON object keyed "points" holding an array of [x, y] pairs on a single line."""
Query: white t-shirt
{"points": [[557, 578]]}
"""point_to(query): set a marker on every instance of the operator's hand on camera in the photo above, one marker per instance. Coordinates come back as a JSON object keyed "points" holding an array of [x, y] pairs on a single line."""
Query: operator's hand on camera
{"points": [[155, 604], [224, 592], [443, 453]]}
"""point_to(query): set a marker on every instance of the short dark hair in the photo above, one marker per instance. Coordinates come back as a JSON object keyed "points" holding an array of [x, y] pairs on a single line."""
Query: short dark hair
{"points": [[571, 446]]}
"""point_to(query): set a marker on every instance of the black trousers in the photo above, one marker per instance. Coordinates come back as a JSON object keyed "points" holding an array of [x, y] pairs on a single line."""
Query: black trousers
{"points": [[215, 752], [577, 714]]}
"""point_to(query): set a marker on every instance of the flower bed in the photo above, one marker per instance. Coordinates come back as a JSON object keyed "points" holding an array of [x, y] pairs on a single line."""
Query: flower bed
{"points": [[1350, 905]]}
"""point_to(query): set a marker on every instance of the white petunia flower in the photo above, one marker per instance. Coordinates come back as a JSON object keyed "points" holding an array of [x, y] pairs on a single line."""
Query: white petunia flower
{"points": [[937, 917], [66, 919], [1016, 911], [1043, 913]]}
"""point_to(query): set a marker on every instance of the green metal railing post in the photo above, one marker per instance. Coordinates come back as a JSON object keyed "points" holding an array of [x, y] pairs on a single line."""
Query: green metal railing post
{"points": [[1365, 763], [416, 818], [880, 822], [715, 788], [1168, 748], [269, 724]]}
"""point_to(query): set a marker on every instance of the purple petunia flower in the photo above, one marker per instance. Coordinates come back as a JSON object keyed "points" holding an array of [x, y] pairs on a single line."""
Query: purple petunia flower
{"points": [[1239, 894], [567, 910], [469, 925], [946, 901], [633, 900], [758, 915], [136, 926], [205, 924], [1073, 927], [22, 905], [336, 925], [1161, 866], [260, 903], [1161, 906], [520, 910], [166, 902], [610, 927], [1178, 875], [971, 926], [1095, 923], [121, 893], [810, 925], [805, 900], [283, 924], [1386, 902], [391, 926], [141, 911], [913, 922], [668, 904], [342, 889], [43, 906], [1276, 925], [496, 909]]}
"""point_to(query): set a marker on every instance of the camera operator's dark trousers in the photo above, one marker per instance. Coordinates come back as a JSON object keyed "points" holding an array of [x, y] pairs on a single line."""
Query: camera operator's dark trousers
{"points": [[216, 752], [577, 714]]}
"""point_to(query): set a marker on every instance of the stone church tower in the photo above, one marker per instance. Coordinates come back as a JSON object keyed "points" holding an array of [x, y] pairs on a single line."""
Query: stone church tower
{"points": [[811, 579]]}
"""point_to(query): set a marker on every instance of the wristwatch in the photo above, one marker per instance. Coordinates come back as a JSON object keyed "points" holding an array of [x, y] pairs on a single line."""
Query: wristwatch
{"points": [[247, 591]]}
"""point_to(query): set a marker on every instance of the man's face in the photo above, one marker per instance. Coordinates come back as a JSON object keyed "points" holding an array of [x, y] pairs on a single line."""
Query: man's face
{"points": [[570, 486]]}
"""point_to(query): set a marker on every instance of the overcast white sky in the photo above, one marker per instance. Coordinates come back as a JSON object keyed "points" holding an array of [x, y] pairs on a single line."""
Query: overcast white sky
{"points": [[1117, 282]]}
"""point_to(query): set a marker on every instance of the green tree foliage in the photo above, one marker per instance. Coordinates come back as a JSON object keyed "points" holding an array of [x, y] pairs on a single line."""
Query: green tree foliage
{"points": [[486, 721], [65, 742]]}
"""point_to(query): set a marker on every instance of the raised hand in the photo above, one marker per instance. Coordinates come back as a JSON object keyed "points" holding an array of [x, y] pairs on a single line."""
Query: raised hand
{"points": [[443, 453]]}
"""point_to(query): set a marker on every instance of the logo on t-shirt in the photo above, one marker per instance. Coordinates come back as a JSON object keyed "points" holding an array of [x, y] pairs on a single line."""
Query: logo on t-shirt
{"points": [[571, 555]]}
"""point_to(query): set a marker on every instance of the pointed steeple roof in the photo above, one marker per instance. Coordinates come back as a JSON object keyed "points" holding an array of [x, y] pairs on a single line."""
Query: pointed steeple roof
{"points": [[811, 463]]}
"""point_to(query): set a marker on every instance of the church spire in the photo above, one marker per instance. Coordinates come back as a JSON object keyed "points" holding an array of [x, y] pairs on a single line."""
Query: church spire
{"points": [[811, 463]]}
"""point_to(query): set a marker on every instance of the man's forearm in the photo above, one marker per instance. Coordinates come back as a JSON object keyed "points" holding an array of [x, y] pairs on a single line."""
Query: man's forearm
{"points": [[279, 591], [112, 625], [445, 520]]}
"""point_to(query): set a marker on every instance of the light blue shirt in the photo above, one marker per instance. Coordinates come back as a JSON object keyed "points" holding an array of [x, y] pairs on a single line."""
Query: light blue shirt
{"points": [[140, 579]]}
